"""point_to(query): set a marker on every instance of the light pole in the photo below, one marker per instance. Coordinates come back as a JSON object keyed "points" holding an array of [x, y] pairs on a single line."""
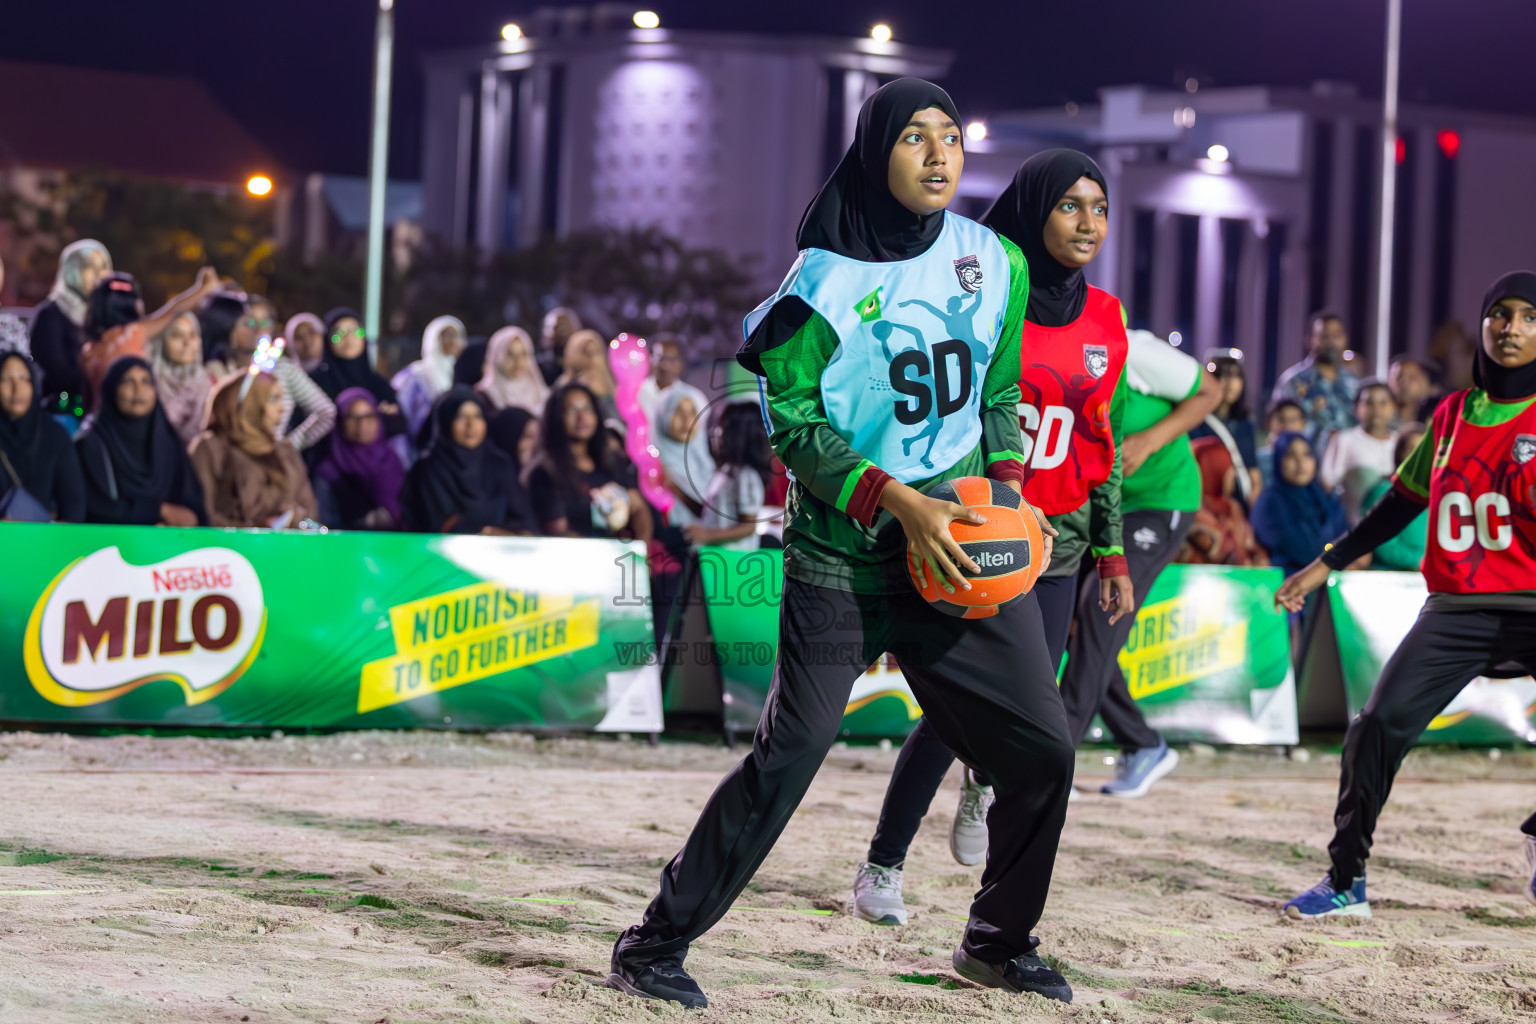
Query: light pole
{"points": [[378, 172], [1388, 190]]}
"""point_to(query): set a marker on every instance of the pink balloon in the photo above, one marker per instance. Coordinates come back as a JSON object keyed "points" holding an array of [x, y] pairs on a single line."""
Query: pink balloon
{"points": [[630, 360]]}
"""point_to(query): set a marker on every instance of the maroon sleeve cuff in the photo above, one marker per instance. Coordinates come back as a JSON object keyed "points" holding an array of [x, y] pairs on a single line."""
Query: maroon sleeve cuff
{"points": [[864, 503], [1008, 471], [1113, 565]]}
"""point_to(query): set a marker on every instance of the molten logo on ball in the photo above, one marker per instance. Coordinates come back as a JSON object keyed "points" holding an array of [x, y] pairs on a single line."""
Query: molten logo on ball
{"points": [[1003, 548], [105, 627]]}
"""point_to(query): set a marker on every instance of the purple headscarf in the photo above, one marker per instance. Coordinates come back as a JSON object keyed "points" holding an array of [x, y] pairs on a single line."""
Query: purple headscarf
{"points": [[375, 465]]}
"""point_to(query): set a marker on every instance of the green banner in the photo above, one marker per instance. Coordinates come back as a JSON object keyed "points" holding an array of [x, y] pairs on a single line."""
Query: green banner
{"points": [[1209, 657], [254, 629], [1372, 612]]}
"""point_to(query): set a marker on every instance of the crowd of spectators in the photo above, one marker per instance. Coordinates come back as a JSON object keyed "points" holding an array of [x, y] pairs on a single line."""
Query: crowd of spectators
{"points": [[1275, 490], [192, 416], [180, 417]]}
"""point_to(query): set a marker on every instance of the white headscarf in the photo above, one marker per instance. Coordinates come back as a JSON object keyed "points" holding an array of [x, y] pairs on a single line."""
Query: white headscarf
{"points": [[688, 463], [527, 391], [434, 369], [293, 324], [68, 291]]}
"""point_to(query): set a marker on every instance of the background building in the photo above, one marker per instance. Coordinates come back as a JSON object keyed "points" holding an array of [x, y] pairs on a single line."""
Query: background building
{"points": [[1236, 252], [719, 139]]}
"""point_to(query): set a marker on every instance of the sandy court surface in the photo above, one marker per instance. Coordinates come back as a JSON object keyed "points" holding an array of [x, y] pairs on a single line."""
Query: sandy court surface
{"points": [[411, 877]]}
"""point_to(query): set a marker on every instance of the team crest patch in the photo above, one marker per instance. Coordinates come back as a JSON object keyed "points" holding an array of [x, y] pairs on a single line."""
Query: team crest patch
{"points": [[1095, 359], [968, 270], [1524, 449]]}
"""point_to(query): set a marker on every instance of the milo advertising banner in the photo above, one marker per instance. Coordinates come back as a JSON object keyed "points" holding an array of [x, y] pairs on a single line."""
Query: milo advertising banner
{"points": [[1208, 659], [252, 629], [1372, 612]]}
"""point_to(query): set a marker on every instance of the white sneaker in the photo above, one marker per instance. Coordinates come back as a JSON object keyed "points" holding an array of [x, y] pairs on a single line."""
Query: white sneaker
{"points": [[968, 833], [1529, 845], [877, 895]]}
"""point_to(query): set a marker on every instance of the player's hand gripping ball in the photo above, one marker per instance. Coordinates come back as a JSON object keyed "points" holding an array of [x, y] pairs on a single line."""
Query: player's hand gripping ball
{"points": [[1008, 548]]}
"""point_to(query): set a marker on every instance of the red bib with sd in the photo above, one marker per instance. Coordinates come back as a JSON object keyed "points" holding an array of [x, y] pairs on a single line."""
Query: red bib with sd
{"points": [[1069, 376], [1482, 530]]}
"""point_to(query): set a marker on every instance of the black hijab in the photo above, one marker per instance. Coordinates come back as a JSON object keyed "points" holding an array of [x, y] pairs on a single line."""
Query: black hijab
{"points": [[147, 461], [335, 374], [1496, 380], [1056, 293], [506, 431], [469, 485], [854, 214], [22, 439]]}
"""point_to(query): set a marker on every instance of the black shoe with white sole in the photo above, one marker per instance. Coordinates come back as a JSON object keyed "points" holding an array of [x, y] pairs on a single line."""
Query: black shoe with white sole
{"points": [[659, 979], [1027, 973]]}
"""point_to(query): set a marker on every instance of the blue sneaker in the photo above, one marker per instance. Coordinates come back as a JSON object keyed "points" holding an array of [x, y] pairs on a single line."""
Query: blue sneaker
{"points": [[1529, 844], [1323, 900], [1138, 769]]}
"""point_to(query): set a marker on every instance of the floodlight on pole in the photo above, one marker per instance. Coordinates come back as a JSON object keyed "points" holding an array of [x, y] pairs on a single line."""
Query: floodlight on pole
{"points": [[647, 19], [1388, 190], [880, 33], [976, 131], [511, 31], [378, 172], [259, 185]]}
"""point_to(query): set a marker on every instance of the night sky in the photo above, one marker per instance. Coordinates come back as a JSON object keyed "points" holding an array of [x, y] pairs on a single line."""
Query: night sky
{"points": [[296, 72]]}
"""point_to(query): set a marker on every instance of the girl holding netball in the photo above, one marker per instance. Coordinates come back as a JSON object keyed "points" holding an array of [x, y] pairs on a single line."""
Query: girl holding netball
{"points": [[889, 361]]}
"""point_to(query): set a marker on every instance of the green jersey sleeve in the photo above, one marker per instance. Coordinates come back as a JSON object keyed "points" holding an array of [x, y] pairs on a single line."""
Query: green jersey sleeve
{"points": [[803, 438], [1105, 519], [1412, 477], [1000, 436]]}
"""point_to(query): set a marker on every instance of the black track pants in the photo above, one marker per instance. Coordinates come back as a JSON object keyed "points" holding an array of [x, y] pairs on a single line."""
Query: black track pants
{"points": [[1445, 650], [1093, 681], [987, 688], [925, 760]]}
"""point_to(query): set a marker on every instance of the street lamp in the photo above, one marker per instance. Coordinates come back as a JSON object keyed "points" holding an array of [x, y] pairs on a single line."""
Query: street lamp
{"points": [[647, 19], [259, 185], [976, 131], [1219, 153], [511, 31], [880, 33]]}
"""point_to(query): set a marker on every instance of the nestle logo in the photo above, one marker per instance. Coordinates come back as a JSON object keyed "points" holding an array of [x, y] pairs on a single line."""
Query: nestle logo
{"points": [[178, 579], [993, 559]]}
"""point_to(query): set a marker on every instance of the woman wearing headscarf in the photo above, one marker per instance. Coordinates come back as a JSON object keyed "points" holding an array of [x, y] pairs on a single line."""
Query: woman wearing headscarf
{"points": [[35, 452], [58, 327], [511, 378], [250, 475], [346, 365], [682, 444], [585, 362], [1474, 471], [516, 431], [1056, 210], [182, 382], [233, 325], [462, 483], [420, 383], [136, 469], [887, 285], [358, 482], [306, 340], [1295, 516]]}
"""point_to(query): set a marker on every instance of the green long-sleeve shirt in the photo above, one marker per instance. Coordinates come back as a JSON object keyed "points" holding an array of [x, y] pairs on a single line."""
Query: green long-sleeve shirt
{"points": [[835, 535]]}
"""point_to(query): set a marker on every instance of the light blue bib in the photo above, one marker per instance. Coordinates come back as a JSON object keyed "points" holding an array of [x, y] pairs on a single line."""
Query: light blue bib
{"points": [[915, 338]]}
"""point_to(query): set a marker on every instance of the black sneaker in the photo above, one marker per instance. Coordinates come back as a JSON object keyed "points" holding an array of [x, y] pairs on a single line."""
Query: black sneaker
{"points": [[1027, 973], [660, 979]]}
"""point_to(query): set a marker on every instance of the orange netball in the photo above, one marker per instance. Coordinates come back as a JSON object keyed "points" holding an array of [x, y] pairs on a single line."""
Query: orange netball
{"points": [[1007, 548]]}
